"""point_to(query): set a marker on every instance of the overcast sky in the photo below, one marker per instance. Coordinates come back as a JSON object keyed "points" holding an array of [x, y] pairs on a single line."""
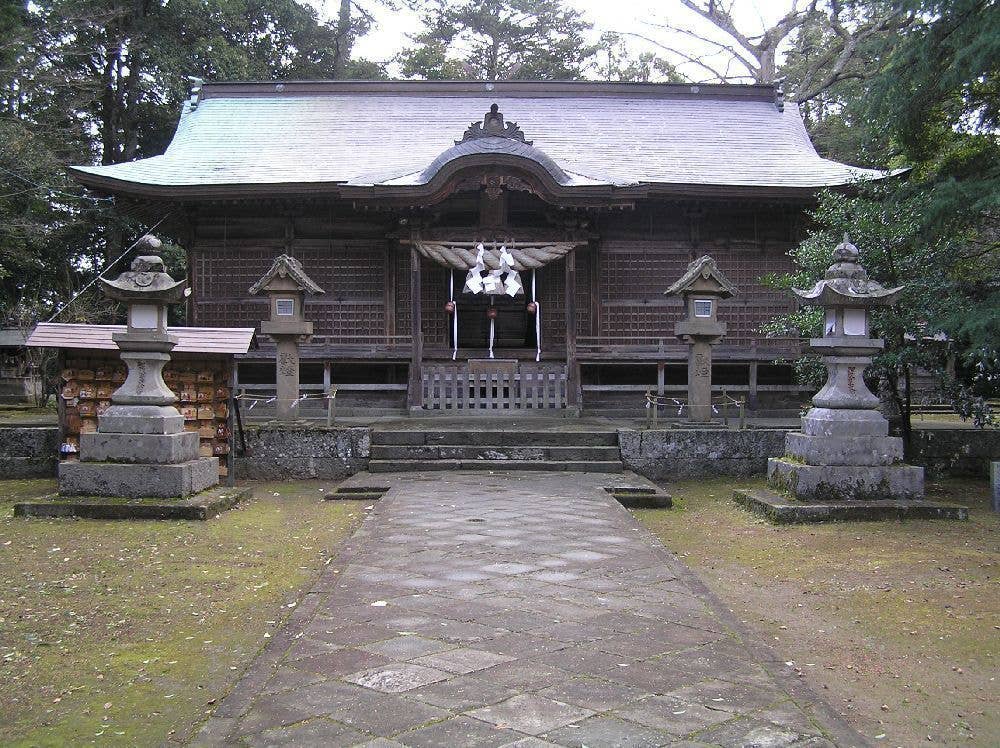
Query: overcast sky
{"points": [[635, 16]]}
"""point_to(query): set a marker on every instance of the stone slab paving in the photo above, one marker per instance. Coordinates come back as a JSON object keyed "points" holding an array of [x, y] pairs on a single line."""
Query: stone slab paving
{"points": [[514, 609]]}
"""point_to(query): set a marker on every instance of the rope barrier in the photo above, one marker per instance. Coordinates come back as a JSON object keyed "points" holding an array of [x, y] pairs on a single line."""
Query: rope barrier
{"points": [[653, 403]]}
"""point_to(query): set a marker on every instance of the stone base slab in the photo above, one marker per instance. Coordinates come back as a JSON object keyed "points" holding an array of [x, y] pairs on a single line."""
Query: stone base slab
{"points": [[846, 422], [842, 450], [137, 481], [161, 449], [844, 483], [201, 506], [140, 419], [778, 510]]}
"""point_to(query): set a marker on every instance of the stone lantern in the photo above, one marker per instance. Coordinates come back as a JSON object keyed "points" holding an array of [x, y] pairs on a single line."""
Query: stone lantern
{"points": [[286, 285], [140, 447], [702, 287], [843, 451]]}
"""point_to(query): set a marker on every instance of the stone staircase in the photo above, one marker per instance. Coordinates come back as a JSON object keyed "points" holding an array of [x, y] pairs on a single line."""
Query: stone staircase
{"points": [[486, 449]]}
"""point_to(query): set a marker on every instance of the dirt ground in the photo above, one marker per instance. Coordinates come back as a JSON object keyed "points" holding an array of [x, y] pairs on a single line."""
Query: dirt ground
{"points": [[127, 633], [897, 624]]}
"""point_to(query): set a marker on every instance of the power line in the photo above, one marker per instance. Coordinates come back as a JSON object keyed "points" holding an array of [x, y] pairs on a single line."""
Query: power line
{"points": [[51, 190], [107, 267]]}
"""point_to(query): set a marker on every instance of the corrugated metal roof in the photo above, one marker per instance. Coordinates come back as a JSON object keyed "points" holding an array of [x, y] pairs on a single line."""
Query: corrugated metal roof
{"points": [[98, 337], [369, 134]]}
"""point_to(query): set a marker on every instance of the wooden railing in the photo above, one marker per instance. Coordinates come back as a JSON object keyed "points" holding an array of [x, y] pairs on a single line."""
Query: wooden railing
{"points": [[454, 387]]}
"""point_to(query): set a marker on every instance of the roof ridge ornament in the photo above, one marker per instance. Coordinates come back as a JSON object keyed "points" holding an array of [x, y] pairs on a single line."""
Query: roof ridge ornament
{"points": [[493, 126]]}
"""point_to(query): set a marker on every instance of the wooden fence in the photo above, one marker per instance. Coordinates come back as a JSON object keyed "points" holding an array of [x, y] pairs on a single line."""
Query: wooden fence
{"points": [[456, 388]]}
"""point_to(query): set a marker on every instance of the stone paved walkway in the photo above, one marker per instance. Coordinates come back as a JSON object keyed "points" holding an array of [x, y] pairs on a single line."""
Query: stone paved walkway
{"points": [[514, 609]]}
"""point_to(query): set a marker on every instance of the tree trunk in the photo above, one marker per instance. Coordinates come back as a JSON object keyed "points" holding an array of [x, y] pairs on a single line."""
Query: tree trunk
{"points": [[345, 40], [905, 411]]}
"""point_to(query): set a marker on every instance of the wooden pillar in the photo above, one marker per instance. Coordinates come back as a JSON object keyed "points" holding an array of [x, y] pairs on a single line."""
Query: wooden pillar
{"points": [[595, 287], [415, 390], [389, 295], [660, 378], [752, 394], [572, 365]]}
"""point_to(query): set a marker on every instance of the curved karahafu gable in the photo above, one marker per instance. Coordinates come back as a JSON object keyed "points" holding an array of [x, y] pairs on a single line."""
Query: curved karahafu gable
{"points": [[358, 137]]}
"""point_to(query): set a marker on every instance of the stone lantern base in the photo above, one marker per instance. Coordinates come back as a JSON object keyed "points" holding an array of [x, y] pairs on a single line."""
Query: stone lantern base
{"points": [[139, 451], [845, 455]]}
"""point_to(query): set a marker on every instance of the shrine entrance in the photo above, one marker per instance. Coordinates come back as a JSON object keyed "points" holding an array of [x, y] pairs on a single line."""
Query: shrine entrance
{"points": [[499, 357]]}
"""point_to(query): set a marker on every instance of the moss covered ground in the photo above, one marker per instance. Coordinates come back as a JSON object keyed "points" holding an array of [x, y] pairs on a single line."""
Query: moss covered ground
{"points": [[128, 632], [897, 624]]}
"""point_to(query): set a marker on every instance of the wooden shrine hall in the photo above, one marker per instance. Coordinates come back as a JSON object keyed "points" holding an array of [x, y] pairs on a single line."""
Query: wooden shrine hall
{"points": [[509, 241]]}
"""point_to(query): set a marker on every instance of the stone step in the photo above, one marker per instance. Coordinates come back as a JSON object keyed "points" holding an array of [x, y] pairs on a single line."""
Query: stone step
{"points": [[635, 497], [357, 493], [491, 437], [494, 452], [589, 466]]}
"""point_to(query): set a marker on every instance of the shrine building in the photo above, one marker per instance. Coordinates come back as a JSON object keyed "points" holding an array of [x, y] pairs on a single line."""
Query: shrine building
{"points": [[521, 232]]}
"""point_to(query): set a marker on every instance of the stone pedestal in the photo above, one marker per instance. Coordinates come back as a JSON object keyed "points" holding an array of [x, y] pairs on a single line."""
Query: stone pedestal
{"points": [[700, 382], [287, 375], [161, 460]]}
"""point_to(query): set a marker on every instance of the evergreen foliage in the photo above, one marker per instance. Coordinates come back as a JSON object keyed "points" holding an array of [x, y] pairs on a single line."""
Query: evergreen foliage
{"points": [[498, 39], [933, 109], [103, 80]]}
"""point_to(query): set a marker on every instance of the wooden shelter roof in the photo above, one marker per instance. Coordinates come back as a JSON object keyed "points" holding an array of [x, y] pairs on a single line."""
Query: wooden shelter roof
{"points": [[357, 138], [220, 340]]}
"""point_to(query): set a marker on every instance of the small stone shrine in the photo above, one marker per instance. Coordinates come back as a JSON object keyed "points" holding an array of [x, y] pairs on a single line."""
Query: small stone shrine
{"points": [[844, 452], [702, 287], [286, 285], [140, 448]]}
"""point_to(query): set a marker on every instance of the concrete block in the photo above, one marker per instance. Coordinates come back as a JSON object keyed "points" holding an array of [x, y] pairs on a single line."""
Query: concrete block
{"points": [[778, 510], [844, 423], [29, 441], [159, 449], [845, 483], [842, 450], [137, 481], [28, 467], [201, 506], [141, 419]]}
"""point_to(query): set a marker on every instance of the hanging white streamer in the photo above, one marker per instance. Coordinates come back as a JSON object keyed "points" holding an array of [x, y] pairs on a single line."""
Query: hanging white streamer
{"points": [[454, 312], [512, 283], [538, 318], [474, 280], [492, 321]]}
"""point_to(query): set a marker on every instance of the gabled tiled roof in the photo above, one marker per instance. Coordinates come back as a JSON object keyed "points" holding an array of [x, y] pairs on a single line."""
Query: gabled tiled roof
{"points": [[390, 133]]}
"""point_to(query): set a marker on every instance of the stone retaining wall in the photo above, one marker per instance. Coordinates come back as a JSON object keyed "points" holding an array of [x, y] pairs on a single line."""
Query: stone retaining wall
{"points": [[663, 454], [278, 453], [29, 451], [674, 454], [956, 452]]}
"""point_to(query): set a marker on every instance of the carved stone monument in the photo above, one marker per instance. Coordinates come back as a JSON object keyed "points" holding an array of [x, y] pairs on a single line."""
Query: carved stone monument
{"points": [[843, 451], [286, 285], [702, 287], [140, 448]]}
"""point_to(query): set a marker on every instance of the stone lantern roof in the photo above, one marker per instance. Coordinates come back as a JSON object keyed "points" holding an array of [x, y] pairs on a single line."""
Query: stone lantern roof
{"points": [[147, 281], [846, 283], [284, 271], [703, 276]]}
